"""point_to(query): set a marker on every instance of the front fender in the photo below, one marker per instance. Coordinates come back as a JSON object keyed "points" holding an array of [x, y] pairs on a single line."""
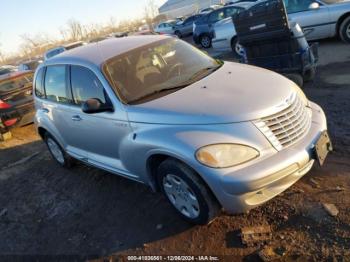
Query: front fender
{"points": [[181, 142]]}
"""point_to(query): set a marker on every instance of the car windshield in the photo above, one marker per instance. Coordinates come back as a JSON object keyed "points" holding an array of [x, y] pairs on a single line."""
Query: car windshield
{"points": [[15, 83], [164, 66]]}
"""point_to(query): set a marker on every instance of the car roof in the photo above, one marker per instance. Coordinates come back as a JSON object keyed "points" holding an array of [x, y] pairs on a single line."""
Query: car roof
{"points": [[97, 53]]}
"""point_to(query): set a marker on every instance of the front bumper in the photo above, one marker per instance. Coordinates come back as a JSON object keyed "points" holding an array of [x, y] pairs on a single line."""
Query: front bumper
{"points": [[248, 187]]}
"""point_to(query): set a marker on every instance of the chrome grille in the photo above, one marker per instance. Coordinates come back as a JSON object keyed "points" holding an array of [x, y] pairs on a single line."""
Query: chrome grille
{"points": [[288, 126]]}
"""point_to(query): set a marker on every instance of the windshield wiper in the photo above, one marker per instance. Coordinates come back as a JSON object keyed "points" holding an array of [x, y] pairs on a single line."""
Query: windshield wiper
{"points": [[201, 72], [157, 92]]}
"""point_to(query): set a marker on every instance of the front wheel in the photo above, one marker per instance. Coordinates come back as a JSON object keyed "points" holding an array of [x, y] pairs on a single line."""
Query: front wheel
{"points": [[187, 193], [344, 30], [205, 41]]}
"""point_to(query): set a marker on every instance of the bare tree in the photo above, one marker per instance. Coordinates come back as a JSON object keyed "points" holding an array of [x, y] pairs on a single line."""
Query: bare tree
{"points": [[35, 45], [150, 12], [75, 30]]}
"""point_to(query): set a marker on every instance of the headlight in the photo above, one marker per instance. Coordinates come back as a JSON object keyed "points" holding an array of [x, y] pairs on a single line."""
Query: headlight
{"points": [[225, 155]]}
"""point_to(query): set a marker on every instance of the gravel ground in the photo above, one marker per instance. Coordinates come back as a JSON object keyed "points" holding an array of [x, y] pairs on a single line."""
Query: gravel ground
{"points": [[48, 210]]}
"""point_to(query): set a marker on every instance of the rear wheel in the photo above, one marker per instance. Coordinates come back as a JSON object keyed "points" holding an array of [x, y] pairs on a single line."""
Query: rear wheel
{"points": [[236, 48], [205, 41], [344, 30], [57, 151], [186, 192]]}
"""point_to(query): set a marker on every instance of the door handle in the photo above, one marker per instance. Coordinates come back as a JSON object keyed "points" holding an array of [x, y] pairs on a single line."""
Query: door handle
{"points": [[45, 110], [76, 118]]}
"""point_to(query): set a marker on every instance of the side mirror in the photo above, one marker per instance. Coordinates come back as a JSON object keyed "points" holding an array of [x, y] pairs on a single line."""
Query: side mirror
{"points": [[94, 105], [314, 6]]}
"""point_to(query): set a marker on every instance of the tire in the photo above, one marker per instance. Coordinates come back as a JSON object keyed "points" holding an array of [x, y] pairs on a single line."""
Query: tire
{"points": [[205, 41], [187, 193], [344, 30], [57, 152], [234, 47], [296, 78], [178, 34]]}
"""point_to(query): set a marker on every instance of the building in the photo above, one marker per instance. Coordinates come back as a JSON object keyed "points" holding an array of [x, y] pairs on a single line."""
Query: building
{"points": [[178, 8]]}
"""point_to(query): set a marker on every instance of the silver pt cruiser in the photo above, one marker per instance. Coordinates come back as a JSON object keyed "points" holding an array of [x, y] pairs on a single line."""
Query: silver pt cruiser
{"points": [[208, 134]]}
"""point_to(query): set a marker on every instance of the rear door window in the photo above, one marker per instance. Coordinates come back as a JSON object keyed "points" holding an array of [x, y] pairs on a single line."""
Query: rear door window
{"points": [[189, 20], [231, 11], [216, 16], [39, 84], [85, 85], [56, 84], [294, 6]]}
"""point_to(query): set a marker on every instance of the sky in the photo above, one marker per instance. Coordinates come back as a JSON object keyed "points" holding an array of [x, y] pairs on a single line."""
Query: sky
{"points": [[31, 17]]}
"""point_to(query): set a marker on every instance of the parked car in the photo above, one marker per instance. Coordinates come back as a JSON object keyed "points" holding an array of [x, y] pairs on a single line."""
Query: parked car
{"points": [[6, 69], [166, 27], [318, 20], [57, 50], [16, 100], [210, 9], [185, 28], [224, 33], [321, 19], [225, 37], [156, 110], [30, 65], [203, 27]]}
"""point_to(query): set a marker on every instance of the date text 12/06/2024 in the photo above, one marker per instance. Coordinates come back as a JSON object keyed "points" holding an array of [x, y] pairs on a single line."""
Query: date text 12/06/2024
{"points": [[173, 258]]}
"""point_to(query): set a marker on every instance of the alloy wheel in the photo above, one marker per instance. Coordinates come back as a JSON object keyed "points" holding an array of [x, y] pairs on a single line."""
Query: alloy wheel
{"points": [[205, 41]]}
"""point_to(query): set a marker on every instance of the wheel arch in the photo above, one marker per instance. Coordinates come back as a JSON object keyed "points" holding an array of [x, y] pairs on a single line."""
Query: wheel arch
{"points": [[341, 20], [155, 160], [42, 131]]}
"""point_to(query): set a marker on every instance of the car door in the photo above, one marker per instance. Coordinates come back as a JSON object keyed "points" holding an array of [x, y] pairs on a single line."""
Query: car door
{"points": [[57, 106], [99, 134], [159, 28], [214, 17], [168, 29], [187, 27], [315, 22]]}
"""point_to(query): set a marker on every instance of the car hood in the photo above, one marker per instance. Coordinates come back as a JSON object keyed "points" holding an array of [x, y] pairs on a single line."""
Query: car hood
{"points": [[233, 93]]}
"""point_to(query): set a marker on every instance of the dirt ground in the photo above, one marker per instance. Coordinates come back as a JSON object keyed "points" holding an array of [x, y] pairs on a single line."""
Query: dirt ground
{"points": [[48, 210]]}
